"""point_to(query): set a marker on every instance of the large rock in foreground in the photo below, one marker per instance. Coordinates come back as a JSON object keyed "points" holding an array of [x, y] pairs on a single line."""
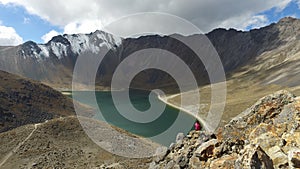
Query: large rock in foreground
{"points": [[267, 135]]}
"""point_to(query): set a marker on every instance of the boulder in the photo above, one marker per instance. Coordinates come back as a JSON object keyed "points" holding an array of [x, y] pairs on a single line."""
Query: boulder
{"points": [[206, 150], [254, 158], [224, 162]]}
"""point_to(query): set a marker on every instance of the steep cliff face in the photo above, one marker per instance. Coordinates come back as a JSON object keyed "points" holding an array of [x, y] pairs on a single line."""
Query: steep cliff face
{"points": [[267, 135], [269, 49]]}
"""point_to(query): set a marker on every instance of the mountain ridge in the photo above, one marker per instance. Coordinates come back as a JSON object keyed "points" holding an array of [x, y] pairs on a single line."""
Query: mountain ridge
{"points": [[53, 62]]}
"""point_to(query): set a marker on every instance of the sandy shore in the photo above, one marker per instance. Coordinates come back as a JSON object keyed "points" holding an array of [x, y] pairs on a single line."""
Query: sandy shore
{"points": [[66, 93], [185, 110]]}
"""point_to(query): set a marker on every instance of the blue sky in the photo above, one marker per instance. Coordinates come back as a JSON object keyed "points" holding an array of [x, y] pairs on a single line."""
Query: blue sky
{"points": [[23, 20], [29, 27], [292, 9]]}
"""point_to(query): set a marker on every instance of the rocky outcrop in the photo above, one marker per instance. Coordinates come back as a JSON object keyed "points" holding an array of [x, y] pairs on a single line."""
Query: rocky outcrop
{"points": [[267, 135]]}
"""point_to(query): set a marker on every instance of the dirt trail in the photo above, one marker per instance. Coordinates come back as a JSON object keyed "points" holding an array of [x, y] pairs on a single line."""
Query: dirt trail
{"points": [[3, 161]]}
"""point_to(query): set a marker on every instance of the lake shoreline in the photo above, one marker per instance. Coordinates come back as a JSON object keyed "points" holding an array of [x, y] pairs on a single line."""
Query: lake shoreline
{"points": [[163, 99]]}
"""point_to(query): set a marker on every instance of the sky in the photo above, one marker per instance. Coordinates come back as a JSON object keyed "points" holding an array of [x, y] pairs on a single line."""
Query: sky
{"points": [[40, 20]]}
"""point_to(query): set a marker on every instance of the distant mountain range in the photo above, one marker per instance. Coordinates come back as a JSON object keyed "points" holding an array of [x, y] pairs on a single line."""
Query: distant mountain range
{"points": [[255, 52]]}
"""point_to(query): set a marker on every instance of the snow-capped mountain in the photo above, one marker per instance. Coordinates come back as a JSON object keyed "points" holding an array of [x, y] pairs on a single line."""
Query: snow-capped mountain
{"points": [[239, 51], [65, 45], [53, 62]]}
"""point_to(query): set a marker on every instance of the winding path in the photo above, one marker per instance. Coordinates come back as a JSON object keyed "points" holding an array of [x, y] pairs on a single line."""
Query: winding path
{"points": [[3, 161]]}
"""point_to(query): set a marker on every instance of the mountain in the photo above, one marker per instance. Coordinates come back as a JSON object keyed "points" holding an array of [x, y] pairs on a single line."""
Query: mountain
{"points": [[53, 62], [242, 52], [280, 63], [267, 59], [25, 101]]}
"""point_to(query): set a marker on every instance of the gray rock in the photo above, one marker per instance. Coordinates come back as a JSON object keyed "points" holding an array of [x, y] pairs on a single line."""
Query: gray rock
{"points": [[182, 161], [170, 165], [179, 137], [172, 146], [161, 153], [153, 165]]}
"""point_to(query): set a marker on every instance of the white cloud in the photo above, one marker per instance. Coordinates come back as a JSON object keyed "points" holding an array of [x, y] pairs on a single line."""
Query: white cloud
{"points": [[78, 16], [282, 4], [257, 21], [9, 37], [248, 21], [48, 36], [298, 3], [26, 20], [85, 26]]}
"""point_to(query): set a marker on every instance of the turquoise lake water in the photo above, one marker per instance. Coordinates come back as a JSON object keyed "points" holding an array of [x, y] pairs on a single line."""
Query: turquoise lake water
{"points": [[162, 130]]}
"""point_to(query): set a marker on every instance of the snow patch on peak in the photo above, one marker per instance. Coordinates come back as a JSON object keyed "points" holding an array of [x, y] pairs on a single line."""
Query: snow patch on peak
{"points": [[33, 50], [92, 42], [110, 39], [44, 51], [59, 49], [80, 43], [117, 40], [62, 46]]}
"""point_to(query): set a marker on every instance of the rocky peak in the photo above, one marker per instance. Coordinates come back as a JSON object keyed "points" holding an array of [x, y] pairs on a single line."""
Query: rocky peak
{"points": [[267, 136], [69, 45], [28, 49], [59, 39], [287, 20], [29, 44], [289, 29]]}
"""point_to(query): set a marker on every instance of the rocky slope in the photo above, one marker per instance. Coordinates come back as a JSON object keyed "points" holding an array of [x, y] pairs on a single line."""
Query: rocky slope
{"points": [[279, 64], [62, 143], [25, 101], [53, 62], [267, 135]]}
